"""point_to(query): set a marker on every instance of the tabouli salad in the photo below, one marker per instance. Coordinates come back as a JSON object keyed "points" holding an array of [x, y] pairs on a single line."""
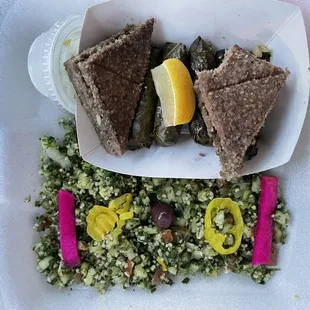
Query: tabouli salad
{"points": [[103, 229]]}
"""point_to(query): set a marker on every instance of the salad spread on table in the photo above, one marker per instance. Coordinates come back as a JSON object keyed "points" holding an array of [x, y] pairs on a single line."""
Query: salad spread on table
{"points": [[101, 229]]}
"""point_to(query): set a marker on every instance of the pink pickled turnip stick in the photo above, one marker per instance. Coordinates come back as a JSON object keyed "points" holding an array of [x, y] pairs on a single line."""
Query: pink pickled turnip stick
{"points": [[264, 228], [68, 242]]}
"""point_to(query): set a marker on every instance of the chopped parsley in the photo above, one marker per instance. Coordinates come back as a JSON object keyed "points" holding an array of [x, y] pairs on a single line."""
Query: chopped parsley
{"points": [[105, 263]]}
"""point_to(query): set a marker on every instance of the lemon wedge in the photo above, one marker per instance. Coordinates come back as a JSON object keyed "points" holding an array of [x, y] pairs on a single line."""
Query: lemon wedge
{"points": [[175, 90]]}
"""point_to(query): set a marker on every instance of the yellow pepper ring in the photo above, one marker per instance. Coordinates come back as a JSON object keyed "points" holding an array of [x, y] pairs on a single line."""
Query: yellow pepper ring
{"points": [[121, 204], [217, 240], [100, 220]]}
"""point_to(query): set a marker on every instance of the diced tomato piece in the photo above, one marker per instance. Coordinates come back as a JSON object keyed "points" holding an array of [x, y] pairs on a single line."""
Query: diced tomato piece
{"points": [[167, 236], [128, 271]]}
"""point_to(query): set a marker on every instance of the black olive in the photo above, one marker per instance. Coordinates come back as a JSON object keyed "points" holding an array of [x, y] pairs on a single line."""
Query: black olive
{"points": [[162, 215]]}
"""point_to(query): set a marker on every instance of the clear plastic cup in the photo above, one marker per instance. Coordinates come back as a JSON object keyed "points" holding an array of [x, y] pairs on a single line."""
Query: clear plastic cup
{"points": [[46, 59]]}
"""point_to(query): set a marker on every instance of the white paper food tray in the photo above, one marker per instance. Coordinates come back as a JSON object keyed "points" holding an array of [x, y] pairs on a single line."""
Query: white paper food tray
{"points": [[25, 116], [223, 23]]}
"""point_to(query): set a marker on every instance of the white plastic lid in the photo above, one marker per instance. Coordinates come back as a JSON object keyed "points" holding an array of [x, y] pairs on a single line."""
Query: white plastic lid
{"points": [[46, 59]]}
